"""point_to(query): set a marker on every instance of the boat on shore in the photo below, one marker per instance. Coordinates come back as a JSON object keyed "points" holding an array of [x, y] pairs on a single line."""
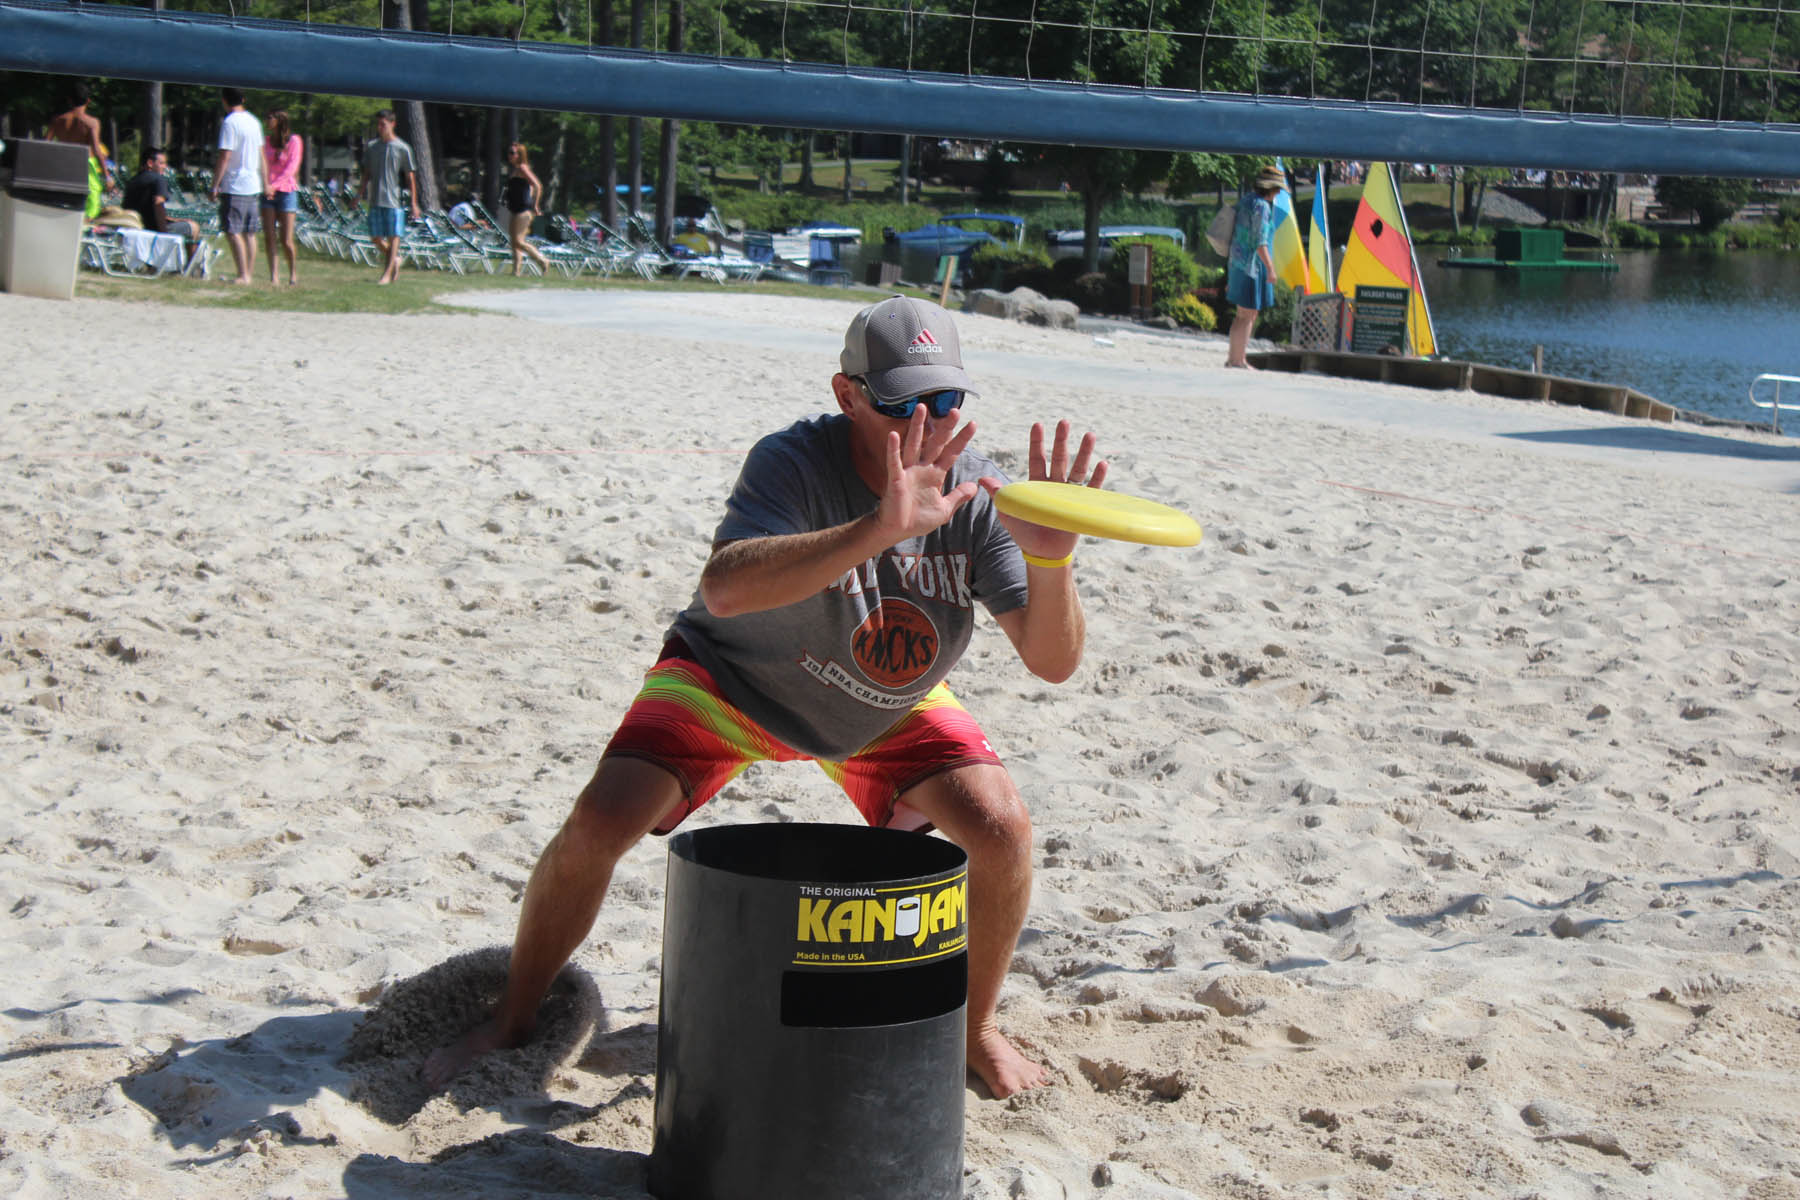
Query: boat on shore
{"points": [[1071, 241], [800, 245], [954, 233]]}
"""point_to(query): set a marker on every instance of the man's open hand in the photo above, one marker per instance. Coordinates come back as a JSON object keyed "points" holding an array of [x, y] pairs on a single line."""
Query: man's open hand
{"points": [[919, 459]]}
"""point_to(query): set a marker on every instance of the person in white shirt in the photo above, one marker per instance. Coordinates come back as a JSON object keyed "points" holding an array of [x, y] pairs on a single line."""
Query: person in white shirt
{"points": [[463, 216], [239, 180]]}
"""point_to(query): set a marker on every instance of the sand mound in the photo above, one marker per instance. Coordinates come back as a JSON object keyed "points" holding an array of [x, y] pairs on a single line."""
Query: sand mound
{"points": [[417, 1015]]}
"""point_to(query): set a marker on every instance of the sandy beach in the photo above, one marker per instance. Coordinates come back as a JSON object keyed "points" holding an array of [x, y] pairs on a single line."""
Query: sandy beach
{"points": [[1430, 830]]}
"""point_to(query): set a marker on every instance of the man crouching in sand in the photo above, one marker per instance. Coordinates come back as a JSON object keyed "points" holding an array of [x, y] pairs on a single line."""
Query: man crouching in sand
{"points": [[839, 594]]}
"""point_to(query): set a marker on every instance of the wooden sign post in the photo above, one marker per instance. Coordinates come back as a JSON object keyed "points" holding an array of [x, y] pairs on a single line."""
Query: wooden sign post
{"points": [[946, 271], [1137, 274]]}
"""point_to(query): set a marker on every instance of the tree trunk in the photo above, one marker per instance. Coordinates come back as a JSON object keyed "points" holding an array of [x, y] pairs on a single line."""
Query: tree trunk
{"points": [[153, 105], [433, 135], [609, 138], [849, 142], [1455, 208], [1480, 196], [634, 126], [806, 162], [309, 162], [553, 180], [397, 14], [491, 158], [905, 178], [671, 139], [1090, 229]]}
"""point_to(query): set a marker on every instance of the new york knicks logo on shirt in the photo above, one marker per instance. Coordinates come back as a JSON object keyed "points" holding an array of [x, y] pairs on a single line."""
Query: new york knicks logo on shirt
{"points": [[895, 645]]}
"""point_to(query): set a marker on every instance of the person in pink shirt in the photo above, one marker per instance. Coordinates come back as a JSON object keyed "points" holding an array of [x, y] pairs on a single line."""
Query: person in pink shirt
{"points": [[281, 154]]}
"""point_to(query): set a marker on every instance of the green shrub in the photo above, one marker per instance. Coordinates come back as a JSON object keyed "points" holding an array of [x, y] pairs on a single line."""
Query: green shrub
{"points": [[1191, 313], [1277, 323], [1099, 292], [1696, 239], [1009, 267], [759, 210], [1765, 235], [1628, 235], [1173, 272]]}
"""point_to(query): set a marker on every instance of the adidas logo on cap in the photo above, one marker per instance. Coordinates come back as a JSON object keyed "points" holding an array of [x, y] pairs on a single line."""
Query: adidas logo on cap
{"points": [[924, 344]]}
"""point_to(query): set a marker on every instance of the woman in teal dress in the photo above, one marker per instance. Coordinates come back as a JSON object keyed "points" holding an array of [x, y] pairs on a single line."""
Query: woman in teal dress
{"points": [[1250, 273]]}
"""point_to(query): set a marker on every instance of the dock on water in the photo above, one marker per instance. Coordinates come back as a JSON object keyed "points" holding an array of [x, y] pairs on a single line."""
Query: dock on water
{"points": [[1450, 375], [1529, 250]]}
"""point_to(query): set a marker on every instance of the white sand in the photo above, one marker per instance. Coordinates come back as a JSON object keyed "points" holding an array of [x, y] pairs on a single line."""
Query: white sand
{"points": [[1429, 831]]}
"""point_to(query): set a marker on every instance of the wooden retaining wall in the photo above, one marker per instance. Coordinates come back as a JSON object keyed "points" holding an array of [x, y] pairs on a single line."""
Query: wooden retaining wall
{"points": [[1445, 375]]}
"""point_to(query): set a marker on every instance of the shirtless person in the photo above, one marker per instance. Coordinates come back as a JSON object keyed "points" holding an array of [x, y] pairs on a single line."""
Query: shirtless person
{"points": [[77, 128], [876, 518]]}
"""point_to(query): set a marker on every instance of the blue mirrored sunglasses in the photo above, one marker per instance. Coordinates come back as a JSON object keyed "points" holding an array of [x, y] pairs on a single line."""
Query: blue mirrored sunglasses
{"points": [[941, 404]]}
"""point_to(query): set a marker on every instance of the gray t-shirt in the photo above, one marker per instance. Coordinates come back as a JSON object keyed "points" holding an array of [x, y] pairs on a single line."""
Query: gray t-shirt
{"points": [[385, 165], [829, 674]]}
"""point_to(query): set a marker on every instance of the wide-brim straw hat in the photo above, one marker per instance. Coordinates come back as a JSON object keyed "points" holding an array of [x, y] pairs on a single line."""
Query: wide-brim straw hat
{"points": [[1271, 177]]}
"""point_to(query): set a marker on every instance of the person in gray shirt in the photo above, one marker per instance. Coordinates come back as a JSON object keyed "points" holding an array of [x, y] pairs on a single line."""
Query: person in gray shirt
{"points": [[840, 592], [388, 165]]}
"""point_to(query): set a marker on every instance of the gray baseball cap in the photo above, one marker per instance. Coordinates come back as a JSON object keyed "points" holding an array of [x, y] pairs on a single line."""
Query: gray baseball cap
{"points": [[903, 347]]}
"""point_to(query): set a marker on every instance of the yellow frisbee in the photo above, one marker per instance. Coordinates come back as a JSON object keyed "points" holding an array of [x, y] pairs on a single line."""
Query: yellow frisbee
{"points": [[1077, 509]]}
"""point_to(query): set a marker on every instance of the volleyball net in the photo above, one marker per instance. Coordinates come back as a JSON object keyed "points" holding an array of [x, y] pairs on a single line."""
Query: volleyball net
{"points": [[1667, 86]]}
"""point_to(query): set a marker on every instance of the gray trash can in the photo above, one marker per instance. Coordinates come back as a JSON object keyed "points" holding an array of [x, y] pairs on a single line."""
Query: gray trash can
{"points": [[814, 992], [43, 201]]}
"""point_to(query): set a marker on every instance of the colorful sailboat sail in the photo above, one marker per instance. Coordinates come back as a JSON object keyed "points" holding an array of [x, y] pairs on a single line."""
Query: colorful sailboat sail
{"points": [[1318, 241], [1284, 245], [1380, 252]]}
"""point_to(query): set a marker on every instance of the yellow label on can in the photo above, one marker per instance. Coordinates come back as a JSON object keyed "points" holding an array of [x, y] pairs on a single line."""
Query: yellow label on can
{"points": [[856, 925]]}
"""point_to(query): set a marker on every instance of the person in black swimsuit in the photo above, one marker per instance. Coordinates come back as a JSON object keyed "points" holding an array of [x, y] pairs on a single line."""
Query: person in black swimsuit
{"points": [[520, 201]]}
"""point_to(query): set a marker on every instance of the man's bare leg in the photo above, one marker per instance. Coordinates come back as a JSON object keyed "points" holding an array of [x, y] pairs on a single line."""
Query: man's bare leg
{"points": [[240, 244], [979, 809], [622, 803]]}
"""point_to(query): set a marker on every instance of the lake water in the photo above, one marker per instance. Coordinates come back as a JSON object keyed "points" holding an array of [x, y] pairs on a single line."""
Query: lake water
{"points": [[1691, 329], [1688, 328]]}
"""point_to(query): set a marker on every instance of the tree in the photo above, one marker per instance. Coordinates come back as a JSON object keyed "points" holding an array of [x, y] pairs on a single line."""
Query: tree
{"points": [[1712, 201]]}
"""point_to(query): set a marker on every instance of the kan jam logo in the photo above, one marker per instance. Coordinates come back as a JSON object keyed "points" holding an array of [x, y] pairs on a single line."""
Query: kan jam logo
{"points": [[896, 644], [878, 928]]}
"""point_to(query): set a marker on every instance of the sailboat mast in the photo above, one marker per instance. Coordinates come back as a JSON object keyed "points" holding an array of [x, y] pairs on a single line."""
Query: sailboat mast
{"points": [[1413, 252]]}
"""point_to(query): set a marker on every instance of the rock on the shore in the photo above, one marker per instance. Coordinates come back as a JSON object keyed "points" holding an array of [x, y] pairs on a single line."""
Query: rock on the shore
{"points": [[1023, 304]]}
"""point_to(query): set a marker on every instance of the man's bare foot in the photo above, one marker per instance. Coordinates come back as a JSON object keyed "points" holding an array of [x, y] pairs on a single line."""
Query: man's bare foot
{"points": [[447, 1062], [1001, 1066]]}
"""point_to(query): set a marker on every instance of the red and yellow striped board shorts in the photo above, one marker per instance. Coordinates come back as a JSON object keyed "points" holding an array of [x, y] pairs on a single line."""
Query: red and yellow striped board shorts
{"points": [[682, 723]]}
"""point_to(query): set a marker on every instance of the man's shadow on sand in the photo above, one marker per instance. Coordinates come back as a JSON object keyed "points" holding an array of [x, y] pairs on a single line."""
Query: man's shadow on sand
{"points": [[213, 1097]]}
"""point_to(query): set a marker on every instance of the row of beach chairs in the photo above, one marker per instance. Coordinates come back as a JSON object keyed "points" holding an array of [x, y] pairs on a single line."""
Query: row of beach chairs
{"points": [[334, 224]]}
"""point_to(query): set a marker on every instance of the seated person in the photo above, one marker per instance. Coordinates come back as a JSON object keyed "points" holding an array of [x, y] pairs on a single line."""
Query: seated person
{"points": [[147, 195], [462, 216]]}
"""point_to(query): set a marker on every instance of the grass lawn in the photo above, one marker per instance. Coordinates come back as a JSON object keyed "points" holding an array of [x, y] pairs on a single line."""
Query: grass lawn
{"points": [[331, 285]]}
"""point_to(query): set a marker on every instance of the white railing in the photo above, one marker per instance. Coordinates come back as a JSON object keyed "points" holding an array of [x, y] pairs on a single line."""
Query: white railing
{"points": [[1775, 404]]}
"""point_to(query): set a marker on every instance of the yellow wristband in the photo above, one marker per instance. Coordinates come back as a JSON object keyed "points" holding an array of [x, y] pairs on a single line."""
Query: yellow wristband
{"points": [[1052, 563]]}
